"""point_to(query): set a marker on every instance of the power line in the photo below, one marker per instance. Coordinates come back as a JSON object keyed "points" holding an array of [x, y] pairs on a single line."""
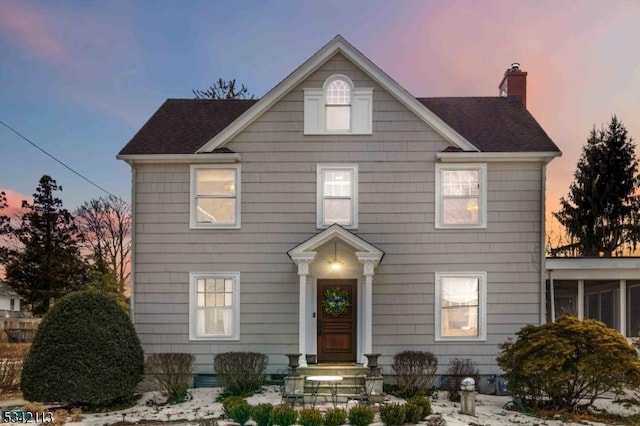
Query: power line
{"points": [[62, 163]]}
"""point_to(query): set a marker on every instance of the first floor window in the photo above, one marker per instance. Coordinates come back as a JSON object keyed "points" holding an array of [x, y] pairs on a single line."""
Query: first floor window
{"points": [[215, 196], [460, 306], [214, 306]]}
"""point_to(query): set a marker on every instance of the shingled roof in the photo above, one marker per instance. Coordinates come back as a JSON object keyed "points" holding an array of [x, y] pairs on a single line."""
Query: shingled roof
{"points": [[492, 124]]}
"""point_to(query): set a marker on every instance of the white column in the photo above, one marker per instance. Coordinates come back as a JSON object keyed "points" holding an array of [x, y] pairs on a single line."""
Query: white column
{"points": [[623, 307], [303, 261], [580, 299], [302, 319], [367, 301]]}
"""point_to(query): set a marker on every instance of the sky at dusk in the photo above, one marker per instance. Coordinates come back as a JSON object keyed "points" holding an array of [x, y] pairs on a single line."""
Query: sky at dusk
{"points": [[79, 78]]}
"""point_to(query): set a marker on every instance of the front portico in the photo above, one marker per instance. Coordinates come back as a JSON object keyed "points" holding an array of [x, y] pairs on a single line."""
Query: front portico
{"points": [[335, 257]]}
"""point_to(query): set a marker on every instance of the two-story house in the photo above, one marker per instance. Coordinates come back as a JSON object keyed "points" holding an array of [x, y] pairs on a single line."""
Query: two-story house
{"points": [[337, 216]]}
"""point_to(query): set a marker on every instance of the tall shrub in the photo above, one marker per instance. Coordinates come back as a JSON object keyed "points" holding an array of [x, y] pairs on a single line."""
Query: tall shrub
{"points": [[415, 372], [241, 373], [568, 364], [85, 352]]}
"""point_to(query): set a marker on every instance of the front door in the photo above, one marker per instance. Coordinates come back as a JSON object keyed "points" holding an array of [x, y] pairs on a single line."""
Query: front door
{"points": [[337, 328]]}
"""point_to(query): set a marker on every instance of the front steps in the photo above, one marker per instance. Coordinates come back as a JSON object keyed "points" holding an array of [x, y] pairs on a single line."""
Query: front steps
{"points": [[351, 386]]}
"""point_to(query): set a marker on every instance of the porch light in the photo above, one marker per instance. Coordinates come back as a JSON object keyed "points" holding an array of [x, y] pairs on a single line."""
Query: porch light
{"points": [[334, 263]]}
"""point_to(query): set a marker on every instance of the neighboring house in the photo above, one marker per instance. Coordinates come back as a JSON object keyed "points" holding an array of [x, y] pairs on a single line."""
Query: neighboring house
{"points": [[9, 300], [428, 213]]}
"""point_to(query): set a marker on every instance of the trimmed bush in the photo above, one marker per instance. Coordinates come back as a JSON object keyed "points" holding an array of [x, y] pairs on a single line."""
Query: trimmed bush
{"points": [[392, 414], [241, 373], [361, 415], [458, 370], [413, 413], [567, 364], [283, 415], [310, 417], [261, 414], [171, 373], [423, 402], [335, 417], [415, 372], [85, 353], [12, 356], [237, 410]]}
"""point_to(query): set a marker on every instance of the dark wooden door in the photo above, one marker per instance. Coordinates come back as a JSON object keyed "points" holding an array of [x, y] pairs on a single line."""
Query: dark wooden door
{"points": [[337, 334]]}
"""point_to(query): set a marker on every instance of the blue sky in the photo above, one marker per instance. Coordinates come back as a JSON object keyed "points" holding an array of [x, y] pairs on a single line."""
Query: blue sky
{"points": [[80, 78]]}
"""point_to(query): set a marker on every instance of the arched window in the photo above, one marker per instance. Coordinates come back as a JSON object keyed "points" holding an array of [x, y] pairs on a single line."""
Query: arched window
{"points": [[338, 104]]}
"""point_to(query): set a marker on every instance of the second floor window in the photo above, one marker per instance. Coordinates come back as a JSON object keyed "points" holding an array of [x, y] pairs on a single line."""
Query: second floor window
{"points": [[215, 196], [461, 195], [337, 195]]}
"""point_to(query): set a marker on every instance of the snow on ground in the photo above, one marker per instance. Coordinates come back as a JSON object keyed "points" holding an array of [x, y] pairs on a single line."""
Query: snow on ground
{"points": [[203, 404]]}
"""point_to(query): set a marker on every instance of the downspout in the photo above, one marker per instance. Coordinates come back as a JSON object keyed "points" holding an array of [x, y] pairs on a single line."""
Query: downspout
{"points": [[132, 251], [543, 215], [552, 296]]}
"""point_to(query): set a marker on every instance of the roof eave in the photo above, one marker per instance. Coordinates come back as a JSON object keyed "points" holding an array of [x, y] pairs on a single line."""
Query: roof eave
{"points": [[338, 44], [180, 158], [452, 157]]}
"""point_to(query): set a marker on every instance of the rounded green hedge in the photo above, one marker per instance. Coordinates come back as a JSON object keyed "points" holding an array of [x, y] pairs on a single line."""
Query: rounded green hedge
{"points": [[85, 353]]}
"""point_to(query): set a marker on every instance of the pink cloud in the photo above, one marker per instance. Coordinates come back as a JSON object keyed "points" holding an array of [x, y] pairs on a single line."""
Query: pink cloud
{"points": [[30, 28], [14, 199]]}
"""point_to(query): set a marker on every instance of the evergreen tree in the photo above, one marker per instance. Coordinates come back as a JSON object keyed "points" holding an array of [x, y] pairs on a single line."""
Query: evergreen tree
{"points": [[600, 214], [48, 264], [5, 228], [223, 89]]}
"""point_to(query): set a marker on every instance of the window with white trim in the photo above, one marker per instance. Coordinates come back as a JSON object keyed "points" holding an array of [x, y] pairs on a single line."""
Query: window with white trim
{"points": [[214, 306], [338, 108], [460, 305], [337, 195], [461, 195], [215, 196]]}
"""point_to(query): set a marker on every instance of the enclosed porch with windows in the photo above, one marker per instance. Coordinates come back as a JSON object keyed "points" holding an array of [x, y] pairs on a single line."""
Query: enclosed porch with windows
{"points": [[604, 289]]}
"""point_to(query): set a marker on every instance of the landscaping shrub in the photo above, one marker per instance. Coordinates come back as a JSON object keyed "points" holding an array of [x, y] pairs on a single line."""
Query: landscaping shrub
{"points": [[171, 373], [423, 402], [458, 370], [415, 371], [310, 417], [261, 414], [85, 353], [237, 410], [229, 401], [361, 415], [283, 415], [241, 373], [413, 413], [335, 417], [12, 356], [568, 364], [392, 414]]}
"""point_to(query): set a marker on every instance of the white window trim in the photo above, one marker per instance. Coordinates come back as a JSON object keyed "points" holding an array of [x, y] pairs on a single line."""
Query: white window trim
{"points": [[320, 194], [482, 306], [193, 223], [361, 109], [482, 214], [193, 307]]}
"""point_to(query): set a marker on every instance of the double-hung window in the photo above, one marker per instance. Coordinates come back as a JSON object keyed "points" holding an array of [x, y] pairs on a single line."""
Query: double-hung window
{"points": [[461, 200], [215, 196], [460, 306], [337, 195], [214, 306], [338, 105]]}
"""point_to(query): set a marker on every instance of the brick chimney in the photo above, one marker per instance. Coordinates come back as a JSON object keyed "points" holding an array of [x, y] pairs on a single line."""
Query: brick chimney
{"points": [[514, 83]]}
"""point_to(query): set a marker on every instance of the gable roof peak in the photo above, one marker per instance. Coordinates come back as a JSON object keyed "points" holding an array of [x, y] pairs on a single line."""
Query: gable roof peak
{"points": [[337, 44]]}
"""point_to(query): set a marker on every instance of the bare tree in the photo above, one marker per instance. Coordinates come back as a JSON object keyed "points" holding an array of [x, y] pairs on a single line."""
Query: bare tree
{"points": [[106, 225], [223, 89]]}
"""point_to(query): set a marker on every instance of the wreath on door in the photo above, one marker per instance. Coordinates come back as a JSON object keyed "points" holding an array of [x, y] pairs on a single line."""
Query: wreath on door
{"points": [[336, 301]]}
